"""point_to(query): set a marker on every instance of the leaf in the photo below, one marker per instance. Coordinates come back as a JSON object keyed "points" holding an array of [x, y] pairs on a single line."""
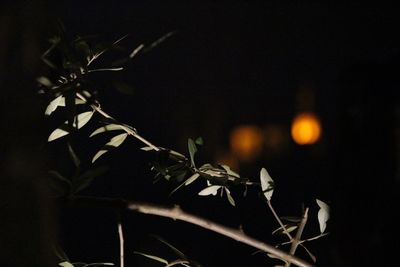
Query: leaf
{"points": [[99, 264], [113, 143], [192, 150], [152, 257], [73, 155], [192, 178], [229, 171], [313, 258], [60, 184], [64, 129], [82, 181], [45, 81], [199, 141], [106, 128], [60, 102], [211, 190], [147, 148], [229, 196], [267, 184], [174, 249], [65, 264], [323, 215], [289, 228], [56, 102]]}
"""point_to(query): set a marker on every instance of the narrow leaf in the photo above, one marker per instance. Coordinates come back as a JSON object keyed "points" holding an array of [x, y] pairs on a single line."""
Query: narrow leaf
{"points": [[267, 184], [229, 196], [192, 150], [192, 178], [313, 258], [106, 128], [147, 148], [64, 129], [65, 264], [56, 102], [152, 257], [229, 171], [113, 143], [323, 215], [211, 190]]}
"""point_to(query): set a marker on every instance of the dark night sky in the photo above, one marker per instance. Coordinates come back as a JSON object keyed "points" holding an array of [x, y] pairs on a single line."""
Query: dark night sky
{"points": [[238, 63]]}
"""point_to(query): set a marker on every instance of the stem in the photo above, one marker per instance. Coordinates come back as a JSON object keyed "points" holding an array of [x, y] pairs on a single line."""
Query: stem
{"points": [[279, 220], [121, 241], [176, 213], [297, 239], [126, 129]]}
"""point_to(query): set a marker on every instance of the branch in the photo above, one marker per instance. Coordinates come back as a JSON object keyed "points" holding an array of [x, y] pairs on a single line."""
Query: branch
{"points": [[297, 239], [279, 220], [177, 213], [121, 241]]}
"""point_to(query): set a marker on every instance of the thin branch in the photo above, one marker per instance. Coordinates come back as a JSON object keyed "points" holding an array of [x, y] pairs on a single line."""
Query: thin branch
{"points": [[279, 220], [313, 238], [297, 239], [177, 262], [121, 242], [176, 213], [126, 129]]}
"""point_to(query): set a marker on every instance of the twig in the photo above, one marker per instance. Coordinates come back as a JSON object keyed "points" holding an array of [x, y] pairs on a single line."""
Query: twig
{"points": [[121, 241], [176, 213], [297, 239], [126, 129], [279, 220]]}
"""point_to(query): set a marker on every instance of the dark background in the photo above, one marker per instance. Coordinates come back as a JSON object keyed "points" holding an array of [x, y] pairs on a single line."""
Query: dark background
{"points": [[229, 64]]}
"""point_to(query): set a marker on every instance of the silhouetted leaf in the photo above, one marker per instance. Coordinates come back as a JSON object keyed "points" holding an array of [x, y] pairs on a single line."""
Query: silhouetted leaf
{"points": [[192, 150], [199, 141], [87, 177], [229, 196], [152, 257]]}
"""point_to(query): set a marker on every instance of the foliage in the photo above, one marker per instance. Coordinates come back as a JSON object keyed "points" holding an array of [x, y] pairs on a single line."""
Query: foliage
{"points": [[71, 85]]}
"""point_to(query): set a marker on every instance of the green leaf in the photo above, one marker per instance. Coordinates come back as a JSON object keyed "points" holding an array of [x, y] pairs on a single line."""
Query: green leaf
{"points": [[191, 179], [65, 264], [267, 184], [211, 190], [64, 129], [116, 141], [192, 150], [106, 128], [152, 257], [323, 215], [229, 196]]}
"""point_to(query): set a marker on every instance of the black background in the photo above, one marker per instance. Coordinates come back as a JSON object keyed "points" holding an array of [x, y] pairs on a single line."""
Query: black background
{"points": [[229, 63]]}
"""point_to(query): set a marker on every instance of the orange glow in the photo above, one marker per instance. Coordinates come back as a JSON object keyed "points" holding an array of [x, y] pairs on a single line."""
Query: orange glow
{"points": [[306, 129], [246, 142]]}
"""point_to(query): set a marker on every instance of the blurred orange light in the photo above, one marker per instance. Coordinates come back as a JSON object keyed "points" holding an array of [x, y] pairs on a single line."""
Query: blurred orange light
{"points": [[246, 142], [306, 129]]}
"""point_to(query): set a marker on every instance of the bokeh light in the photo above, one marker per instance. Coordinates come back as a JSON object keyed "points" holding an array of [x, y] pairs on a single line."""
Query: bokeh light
{"points": [[306, 129], [246, 142]]}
